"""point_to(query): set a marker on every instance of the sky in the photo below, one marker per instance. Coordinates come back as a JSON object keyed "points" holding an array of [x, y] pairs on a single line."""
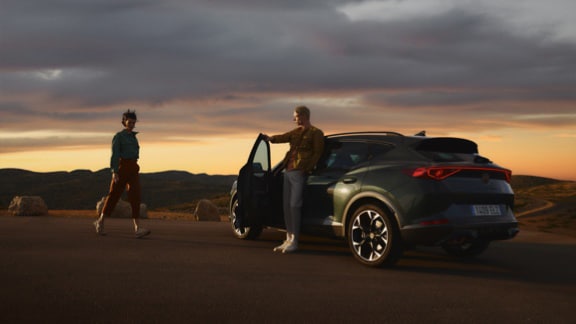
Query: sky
{"points": [[205, 77]]}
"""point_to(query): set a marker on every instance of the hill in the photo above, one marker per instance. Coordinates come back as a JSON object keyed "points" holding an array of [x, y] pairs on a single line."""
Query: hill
{"points": [[82, 189], [540, 203], [520, 182], [545, 204]]}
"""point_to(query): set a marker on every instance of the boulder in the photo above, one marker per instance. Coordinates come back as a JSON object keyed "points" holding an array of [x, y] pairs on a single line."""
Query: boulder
{"points": [[28, 206], [122, 209], [206, 211]]}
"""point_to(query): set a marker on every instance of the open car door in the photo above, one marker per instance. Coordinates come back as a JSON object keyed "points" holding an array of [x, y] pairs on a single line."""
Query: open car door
{"points": [[254, 186]]}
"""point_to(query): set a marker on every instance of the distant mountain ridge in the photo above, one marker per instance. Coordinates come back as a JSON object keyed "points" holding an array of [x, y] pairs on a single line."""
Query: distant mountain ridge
{"points": [[82, 189]]}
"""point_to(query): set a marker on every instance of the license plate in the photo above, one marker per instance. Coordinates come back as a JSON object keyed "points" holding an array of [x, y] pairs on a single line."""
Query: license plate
{"points": [[487, 210]]}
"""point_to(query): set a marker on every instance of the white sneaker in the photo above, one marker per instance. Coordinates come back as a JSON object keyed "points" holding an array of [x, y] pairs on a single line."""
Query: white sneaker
{"points": [[141, 232], [282, 246], [99, 228], [292, 247]]}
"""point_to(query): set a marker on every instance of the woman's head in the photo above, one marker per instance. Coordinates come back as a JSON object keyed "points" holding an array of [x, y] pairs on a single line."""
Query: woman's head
{"points": [[129, 115]]}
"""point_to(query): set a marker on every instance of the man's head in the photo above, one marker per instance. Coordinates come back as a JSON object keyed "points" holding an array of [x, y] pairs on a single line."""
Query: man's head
{"points": [[302, 116]]}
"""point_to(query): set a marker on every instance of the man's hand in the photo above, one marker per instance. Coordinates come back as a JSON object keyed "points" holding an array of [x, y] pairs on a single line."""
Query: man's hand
{"points": [[115, 177]]}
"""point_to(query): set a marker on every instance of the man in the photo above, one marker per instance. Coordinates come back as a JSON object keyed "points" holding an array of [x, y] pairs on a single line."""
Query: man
{"points": [[124, 167], [306, 146]]}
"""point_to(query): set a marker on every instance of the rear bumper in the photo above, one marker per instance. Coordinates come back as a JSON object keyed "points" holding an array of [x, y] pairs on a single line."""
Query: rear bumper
{"points": [[440, 234]]}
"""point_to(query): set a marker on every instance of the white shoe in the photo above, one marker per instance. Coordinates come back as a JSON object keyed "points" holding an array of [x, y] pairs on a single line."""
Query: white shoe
{"points": [[141, 232], [99, 228], [292, 247], [282, 246]]}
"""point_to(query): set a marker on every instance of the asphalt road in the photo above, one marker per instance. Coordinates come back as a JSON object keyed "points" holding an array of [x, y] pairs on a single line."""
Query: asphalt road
{"points": [[56, 270]]}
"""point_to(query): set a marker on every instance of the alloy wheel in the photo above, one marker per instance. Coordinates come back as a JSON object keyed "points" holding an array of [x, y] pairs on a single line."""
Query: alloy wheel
{"points": [[369, 235], [242, 232]]}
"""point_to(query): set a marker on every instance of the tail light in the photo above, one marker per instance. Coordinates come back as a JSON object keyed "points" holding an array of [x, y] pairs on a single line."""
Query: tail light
{"points": [[441, 173]]}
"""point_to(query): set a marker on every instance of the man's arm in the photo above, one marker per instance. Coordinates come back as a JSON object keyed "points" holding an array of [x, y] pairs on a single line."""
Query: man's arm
{"points": [[283, 138]]}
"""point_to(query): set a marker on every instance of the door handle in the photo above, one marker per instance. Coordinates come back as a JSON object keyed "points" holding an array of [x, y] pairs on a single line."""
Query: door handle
{"points": [[349, 180]]}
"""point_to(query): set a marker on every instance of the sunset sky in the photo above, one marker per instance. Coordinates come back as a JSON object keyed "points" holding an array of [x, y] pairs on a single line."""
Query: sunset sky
{"points": [[205, 77]]}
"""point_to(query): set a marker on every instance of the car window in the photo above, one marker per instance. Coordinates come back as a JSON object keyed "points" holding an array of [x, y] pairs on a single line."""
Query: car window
{"points": [[344, 155], [444, 156], [260, 163], [378, 151], [447, 149], [447, 144]]}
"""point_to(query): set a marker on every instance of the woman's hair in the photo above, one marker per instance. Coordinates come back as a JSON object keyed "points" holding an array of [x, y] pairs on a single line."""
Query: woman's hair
{"points": [[128, 115], [302, 111]]}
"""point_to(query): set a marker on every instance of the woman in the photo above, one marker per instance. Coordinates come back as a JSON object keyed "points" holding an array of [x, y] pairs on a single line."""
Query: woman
{"points": [[124, 167]]}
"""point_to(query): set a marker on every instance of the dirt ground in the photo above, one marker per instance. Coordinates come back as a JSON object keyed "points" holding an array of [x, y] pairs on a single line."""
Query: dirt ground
{"points": [[92, 214], [550, 208], [549, 223], [549, 220]]}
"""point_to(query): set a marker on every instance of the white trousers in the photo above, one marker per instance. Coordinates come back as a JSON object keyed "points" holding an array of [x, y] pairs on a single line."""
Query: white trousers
{"points": [[292, 193]]}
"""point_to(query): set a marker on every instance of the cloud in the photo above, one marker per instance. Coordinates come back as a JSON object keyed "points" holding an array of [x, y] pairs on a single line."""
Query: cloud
{"points": [[526, 17], [201, 68]]}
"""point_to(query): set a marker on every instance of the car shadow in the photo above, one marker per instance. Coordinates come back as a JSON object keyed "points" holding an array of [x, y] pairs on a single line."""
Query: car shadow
{"points": [[506, 260], [529, 262], [517, 261]]}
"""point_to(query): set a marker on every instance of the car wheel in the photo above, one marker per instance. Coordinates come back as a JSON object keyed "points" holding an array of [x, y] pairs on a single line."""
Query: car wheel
{"points": [[247, 233], [373, 237], [466, 250]]}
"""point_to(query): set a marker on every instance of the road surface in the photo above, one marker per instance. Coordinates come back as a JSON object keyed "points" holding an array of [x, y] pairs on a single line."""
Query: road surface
{"points": [[56, 270]]}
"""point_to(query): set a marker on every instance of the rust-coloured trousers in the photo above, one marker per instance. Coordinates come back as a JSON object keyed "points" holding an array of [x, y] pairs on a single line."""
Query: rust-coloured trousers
{"points": [[128, 178]]}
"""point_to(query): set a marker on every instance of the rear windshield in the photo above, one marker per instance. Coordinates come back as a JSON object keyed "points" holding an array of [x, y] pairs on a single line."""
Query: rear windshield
{"points": [[447, 149]]}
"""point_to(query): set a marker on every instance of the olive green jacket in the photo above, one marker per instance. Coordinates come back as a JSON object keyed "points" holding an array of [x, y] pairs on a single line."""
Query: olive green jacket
{"points": [[306, 147]]}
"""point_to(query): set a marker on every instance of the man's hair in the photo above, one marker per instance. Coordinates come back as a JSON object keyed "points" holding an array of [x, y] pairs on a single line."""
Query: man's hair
{"points": [[128, 114], [302, 111]]}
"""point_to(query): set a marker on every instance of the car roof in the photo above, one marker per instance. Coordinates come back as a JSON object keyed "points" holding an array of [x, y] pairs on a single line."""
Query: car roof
{"points": [[386, 136], [418, 141]]}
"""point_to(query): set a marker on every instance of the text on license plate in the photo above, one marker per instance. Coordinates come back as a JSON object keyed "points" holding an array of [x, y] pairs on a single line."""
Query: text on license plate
{"points": [[487, 210]]}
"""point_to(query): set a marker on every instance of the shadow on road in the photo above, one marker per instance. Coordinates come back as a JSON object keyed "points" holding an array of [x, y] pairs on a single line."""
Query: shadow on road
{"points": [[506, 260]]}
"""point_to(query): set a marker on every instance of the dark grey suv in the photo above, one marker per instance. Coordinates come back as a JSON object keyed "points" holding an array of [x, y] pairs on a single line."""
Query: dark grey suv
{"points": [[384, 192]]}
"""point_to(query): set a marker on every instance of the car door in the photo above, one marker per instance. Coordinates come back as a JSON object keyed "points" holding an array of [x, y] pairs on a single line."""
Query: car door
{"points": [[333, 169], [254, 185], [318, 206]]}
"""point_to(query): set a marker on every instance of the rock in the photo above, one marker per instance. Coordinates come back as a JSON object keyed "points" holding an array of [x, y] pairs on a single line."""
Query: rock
{"points": [[122, 209], [28, 206], [206, 211]]}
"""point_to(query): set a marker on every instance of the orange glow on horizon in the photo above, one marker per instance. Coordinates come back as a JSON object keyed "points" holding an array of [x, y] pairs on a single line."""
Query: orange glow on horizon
{"points": [[525, 153]]}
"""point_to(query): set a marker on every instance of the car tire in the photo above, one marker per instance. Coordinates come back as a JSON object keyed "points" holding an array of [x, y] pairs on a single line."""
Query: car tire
{"points": [[466, 250], [245, 233], [373, 236]]}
